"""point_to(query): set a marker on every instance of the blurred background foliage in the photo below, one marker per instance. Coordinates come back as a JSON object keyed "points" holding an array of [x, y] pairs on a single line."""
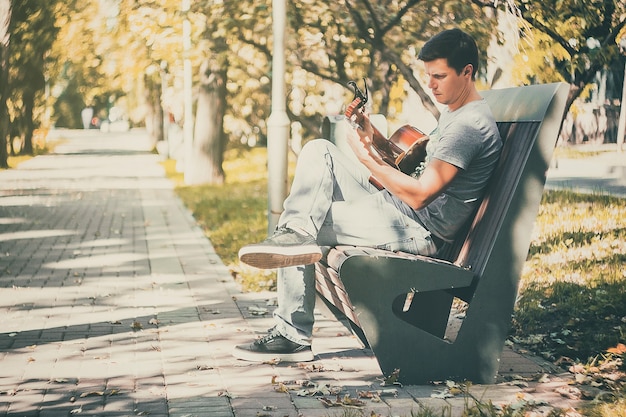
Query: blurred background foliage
{"points": [[124, 60]]}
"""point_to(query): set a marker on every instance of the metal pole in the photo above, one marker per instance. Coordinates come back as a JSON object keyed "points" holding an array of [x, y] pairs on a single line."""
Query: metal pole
{"points": [[278, 122], [622, 117], [187, 93]]}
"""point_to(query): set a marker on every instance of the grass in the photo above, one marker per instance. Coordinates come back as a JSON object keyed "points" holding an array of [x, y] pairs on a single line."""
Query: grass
{"points": [[579, 151], [573, 287], [572, 301], [41, 146], [14, 160]]}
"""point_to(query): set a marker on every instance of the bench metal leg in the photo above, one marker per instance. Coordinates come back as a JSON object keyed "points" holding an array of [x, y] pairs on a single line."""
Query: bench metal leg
{"points": [[411, 340]]}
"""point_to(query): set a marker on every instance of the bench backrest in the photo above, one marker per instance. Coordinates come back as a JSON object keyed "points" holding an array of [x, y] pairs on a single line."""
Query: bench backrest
{"points": [[528, 122]]}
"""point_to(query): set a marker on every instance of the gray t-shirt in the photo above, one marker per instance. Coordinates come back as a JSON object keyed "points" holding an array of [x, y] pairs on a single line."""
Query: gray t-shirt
{"points": [[467, 138]]}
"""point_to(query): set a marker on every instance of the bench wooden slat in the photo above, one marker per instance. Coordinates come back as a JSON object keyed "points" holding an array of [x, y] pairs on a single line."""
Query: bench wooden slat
{"points": [[330, 287], [478, 243]]}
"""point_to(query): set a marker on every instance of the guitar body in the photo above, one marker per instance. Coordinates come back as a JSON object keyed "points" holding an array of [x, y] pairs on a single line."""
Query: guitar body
{"points": [[414, 142]]}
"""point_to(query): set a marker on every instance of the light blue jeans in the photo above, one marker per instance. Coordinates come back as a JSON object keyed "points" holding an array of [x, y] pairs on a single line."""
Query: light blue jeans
{"points": [[332, 199]]}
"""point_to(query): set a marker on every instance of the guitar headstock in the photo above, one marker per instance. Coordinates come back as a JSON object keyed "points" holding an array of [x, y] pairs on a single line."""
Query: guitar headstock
{"points": [[358, 102]]}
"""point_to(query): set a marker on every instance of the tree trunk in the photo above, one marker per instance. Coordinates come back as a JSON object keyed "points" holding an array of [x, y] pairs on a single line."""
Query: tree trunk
{"points": [[29, 125], [5, 19], [154, 114], [209, 140]]}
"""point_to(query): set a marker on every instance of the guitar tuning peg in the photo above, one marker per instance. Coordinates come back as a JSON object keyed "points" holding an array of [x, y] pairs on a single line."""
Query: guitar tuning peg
{"points": [[366, 95], [358, 93], [355, 88]]}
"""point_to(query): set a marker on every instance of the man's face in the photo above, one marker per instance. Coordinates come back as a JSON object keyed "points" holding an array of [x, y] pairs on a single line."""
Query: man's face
{"points": [[447, 86]]}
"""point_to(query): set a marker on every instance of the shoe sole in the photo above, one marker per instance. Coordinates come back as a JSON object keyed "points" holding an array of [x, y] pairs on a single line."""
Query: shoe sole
{"points": [[289, 256], [304, 356]]}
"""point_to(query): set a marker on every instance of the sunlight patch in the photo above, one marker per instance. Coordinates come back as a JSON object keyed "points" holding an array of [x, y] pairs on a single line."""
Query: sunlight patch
{"points": [[35, 234]]}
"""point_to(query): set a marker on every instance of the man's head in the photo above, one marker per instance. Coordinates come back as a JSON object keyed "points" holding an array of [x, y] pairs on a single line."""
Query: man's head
{"points": [[455, 46]]}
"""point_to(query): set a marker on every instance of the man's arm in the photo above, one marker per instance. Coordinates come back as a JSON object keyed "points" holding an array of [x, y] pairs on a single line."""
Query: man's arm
{"points": [[417, 193]]}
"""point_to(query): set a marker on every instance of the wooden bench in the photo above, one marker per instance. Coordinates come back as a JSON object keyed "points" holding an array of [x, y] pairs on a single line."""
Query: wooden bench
{"points": [[400, 304]]}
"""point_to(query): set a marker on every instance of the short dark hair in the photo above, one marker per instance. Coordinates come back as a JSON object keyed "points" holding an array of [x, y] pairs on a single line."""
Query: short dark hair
{"points": [[456, 46]]}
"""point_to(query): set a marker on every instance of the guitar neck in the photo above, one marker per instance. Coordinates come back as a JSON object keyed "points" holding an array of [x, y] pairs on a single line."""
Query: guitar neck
{"points": [[388, 151]]}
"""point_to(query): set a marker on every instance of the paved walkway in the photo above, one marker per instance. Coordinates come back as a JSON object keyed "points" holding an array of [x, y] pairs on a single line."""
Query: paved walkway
{"points": [[603, 172], [114, 303]]}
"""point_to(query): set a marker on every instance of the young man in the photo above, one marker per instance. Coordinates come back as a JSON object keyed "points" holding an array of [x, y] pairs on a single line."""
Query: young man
{"points": [[333, 203]]}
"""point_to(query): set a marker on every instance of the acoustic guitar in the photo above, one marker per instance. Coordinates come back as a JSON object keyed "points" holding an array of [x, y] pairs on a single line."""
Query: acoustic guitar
{"points": [[405, 150]]}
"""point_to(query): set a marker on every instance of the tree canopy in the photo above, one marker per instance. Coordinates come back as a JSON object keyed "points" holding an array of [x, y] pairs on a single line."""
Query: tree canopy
{"points": [[130, 54]]}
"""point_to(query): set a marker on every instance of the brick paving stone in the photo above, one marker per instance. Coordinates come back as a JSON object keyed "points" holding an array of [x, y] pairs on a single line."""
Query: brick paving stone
{"points": [[114, 303]]}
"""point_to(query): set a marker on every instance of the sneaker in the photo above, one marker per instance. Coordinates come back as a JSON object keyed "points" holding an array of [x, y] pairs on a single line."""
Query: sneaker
{"points": [[273, 347], [285, 247]]}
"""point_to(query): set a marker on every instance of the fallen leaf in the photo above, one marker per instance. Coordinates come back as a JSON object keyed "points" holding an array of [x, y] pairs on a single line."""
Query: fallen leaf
{"points": [[544, 379], [323, 389], [330, 403], [352, 402], [517, 383], [455, 390], [613, 376], [92, 394], [620, 349], [581, 378], [392, 379], [443, 394], [578, 368], [313, 367], [257, 311], [60, 380], [281, 388], [572, 393], [225, 394]]}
